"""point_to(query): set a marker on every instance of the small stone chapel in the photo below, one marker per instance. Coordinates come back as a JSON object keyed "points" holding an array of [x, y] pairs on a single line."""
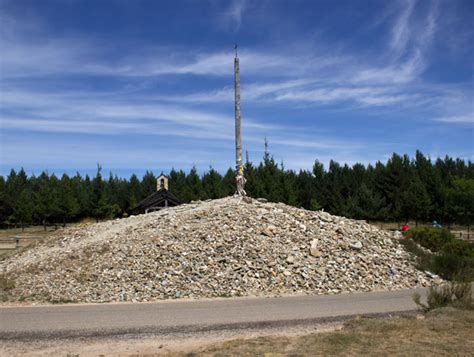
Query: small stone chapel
{"points": [[158, 200]]}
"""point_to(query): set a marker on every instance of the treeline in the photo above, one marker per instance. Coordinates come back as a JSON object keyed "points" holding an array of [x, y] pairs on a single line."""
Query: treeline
{"points": [[402, 189]]}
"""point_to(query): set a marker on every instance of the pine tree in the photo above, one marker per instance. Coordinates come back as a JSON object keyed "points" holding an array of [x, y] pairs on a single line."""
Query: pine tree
{"points": [[121, 194], [177, 183], [367, 204], [97, 186], [14, 186], [415, 201], [251, 186], [68, 203], [193, 190], [228, 183], [148, 184], [335, 201], [270, 176], [84, 193], [212, 184], [460, 201], [44, 200], [105, 208], [23, 211], [320, 184], [5, 205], [306, 190], [395, 182], [290, 192], [134, 192]]}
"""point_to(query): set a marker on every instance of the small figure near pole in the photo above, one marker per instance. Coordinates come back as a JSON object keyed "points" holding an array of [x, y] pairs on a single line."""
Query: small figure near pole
{"points": [[240, 182]]}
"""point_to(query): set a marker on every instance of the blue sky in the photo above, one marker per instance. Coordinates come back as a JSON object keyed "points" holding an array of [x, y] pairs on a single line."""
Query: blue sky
{"points": [[137, 85]]}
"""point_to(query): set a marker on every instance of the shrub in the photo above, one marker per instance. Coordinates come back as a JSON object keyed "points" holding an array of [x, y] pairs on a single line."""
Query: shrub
{"points": [[423, 259], [459, 247], [451, 266], [457, 295], [431, 238], [6, 284], [453, 260]]}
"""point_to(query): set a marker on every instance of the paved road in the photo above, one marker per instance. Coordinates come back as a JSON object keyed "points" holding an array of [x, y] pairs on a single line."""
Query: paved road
{"points": [[169, 317]]}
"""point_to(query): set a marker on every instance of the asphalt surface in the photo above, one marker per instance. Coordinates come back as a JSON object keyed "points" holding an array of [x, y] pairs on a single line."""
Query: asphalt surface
{"points": [[193, 316]]}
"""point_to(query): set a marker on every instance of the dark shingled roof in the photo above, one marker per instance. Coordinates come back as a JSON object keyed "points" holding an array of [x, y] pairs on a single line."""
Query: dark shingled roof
{"points": [[157, 201]]}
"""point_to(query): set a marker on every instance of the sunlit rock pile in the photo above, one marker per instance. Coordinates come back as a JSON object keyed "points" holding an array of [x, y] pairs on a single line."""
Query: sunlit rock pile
{"points": [[219, 248]]}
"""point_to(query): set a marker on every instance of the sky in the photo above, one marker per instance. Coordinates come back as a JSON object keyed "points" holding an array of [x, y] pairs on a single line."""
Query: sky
{"points": [[148, 85]]}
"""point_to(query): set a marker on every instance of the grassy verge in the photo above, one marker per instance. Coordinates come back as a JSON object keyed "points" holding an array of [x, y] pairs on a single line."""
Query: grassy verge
{"points": [[442, 332]]}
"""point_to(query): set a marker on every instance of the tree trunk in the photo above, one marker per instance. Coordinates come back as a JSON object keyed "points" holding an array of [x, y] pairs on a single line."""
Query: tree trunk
{"points": [[22, 227], [44, 224], [64, 222]]}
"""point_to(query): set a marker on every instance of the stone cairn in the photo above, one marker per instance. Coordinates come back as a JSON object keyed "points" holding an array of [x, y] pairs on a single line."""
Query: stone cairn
{"points": [[219, 248]]}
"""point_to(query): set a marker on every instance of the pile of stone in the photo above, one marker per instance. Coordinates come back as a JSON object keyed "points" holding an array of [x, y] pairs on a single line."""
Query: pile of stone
{"points": [[219, 248]]}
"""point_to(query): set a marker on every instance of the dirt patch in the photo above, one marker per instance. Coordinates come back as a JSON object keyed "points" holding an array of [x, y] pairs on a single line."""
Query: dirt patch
{"points": [[176, 344]]}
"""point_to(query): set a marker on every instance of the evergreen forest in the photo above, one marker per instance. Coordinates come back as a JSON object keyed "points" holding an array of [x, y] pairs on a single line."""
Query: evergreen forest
{"points": [[401, 189]]}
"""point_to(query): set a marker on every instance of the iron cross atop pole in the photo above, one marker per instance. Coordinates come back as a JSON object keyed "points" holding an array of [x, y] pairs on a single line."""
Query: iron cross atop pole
{"points": [[239, 168]]}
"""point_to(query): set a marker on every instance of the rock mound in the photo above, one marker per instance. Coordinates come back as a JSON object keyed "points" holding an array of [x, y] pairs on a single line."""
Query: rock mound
{"points": [[225, 247]]}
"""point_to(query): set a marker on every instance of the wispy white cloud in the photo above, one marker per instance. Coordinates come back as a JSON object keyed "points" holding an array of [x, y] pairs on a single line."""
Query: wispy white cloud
{"points": [[76, 113], [373, 96], [411, 37], [335, 79], [76, 56], [63, 56], [458, 119], [324, 95], [317, 142], [400, 34], [250, 92], [402, 72], [318, 79], [69, 113], [109, 115], [231, 17]]}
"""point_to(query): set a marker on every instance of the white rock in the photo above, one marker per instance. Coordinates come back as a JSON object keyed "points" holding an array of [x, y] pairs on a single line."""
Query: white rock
{"points": [[357, 245]]}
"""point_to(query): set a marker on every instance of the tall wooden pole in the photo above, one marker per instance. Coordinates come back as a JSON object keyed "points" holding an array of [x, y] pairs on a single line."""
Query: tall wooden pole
{"points": [[238, 138], [239, 168]]}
